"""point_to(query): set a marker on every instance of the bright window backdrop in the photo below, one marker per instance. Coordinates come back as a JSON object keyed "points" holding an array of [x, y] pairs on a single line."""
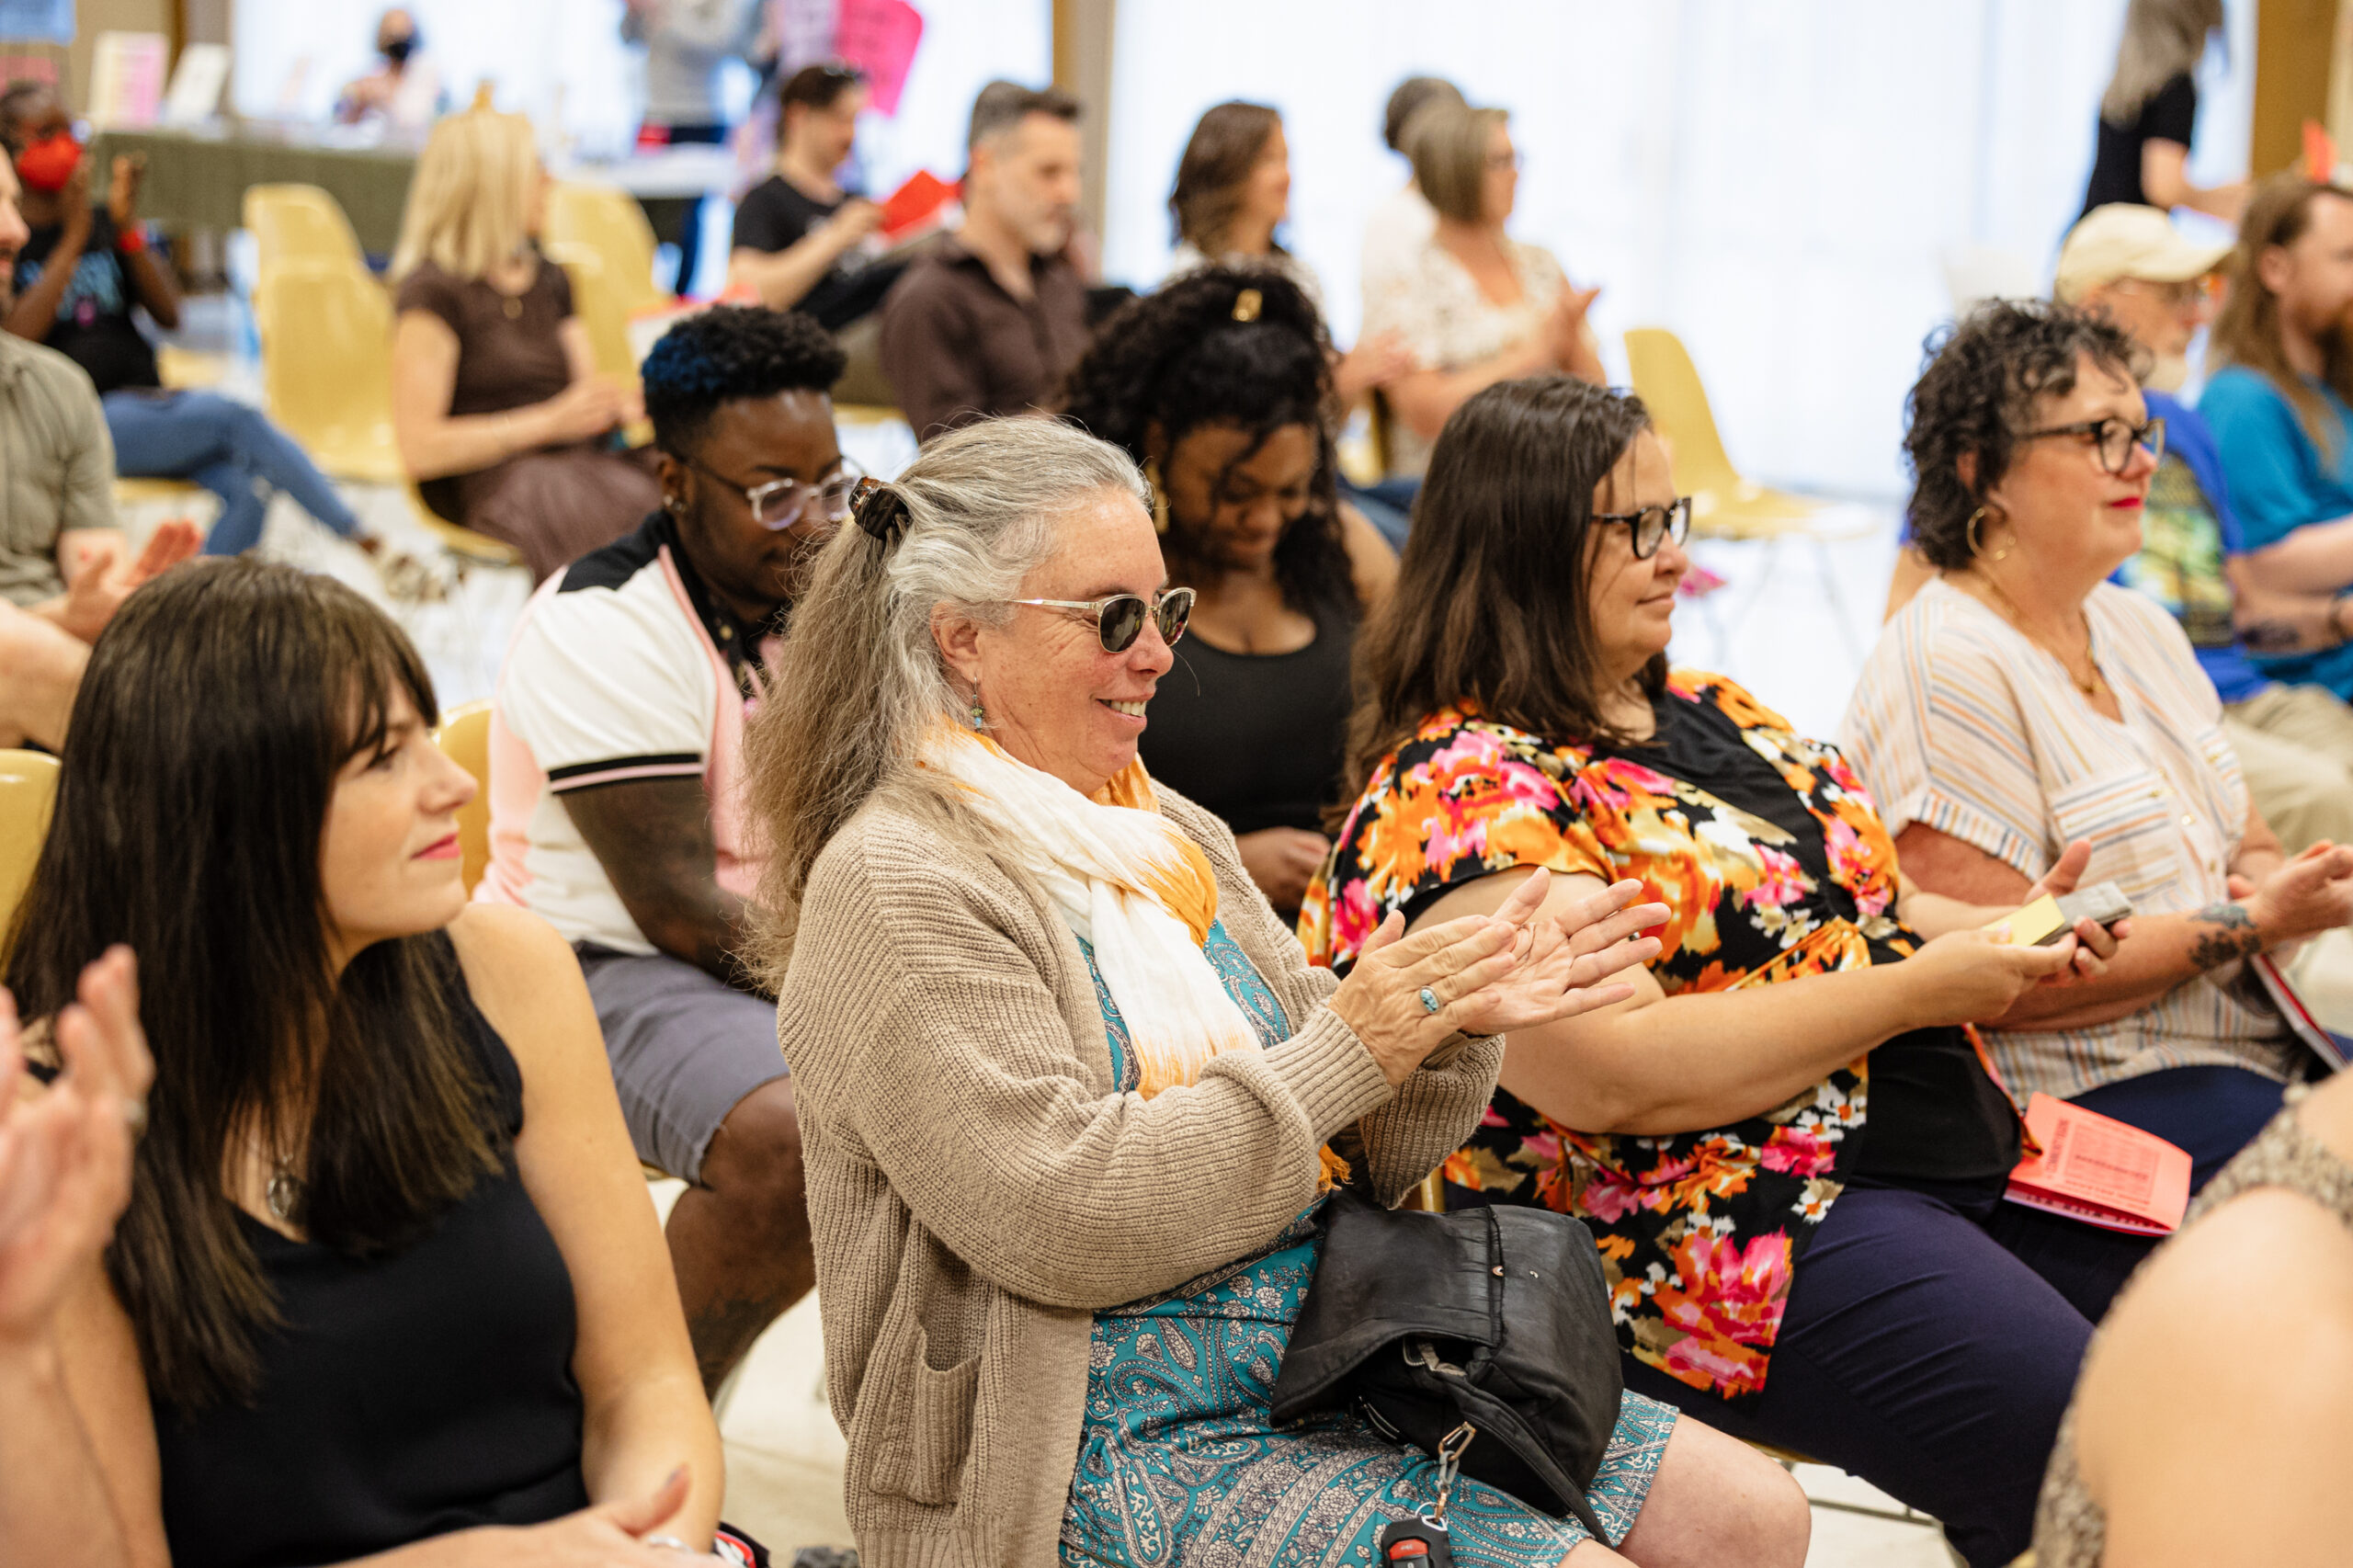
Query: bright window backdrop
{"points": [[561, 62], [1778, 181]]}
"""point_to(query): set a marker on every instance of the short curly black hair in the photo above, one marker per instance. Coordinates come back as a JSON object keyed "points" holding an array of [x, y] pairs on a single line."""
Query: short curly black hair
{"points": [[1984, 376], [1181, 359], [728, 354]]}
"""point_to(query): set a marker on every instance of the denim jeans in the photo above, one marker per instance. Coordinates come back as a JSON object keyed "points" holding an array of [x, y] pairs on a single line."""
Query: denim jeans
{"points": [[226, 447]]}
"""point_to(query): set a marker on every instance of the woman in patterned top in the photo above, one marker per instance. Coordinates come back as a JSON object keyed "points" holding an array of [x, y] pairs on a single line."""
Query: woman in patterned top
{"points": [[1787, 1144]]}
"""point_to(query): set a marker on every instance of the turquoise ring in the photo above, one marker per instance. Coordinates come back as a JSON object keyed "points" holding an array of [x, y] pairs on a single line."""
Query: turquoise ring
{"points": [[1430, 1002]]}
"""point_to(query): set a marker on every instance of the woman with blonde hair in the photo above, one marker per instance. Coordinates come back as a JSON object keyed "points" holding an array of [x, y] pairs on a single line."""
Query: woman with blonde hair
{"points": [[501, 416], [1477, 307], [2150, 112]]}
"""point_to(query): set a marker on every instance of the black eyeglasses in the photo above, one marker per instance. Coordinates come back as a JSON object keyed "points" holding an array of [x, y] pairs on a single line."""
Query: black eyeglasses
{"points": [[784, 502], [1118, 620], [2114, 439], [1648, 527]]}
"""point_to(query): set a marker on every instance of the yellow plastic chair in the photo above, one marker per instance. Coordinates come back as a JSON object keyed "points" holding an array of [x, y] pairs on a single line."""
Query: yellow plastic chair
{"points": [[607, 220], [1723, 502], [28, 790], [598, 301], [327, 365], [464, 739], [300, 223]]}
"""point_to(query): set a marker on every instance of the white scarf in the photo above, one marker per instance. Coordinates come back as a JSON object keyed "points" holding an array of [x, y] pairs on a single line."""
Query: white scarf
{"points": [[1126, 880]]}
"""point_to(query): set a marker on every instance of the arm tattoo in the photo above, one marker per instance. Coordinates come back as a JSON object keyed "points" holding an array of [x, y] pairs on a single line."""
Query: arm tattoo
{"points": [[2234, 936]]}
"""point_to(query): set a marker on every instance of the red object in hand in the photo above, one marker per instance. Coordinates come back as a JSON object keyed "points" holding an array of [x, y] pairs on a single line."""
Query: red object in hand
{"points": [[131, 241], [915, 203]]}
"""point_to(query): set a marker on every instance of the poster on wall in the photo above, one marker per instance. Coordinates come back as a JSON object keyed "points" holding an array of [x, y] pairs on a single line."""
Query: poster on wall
{"points": [[36, 21], [879, 37]]}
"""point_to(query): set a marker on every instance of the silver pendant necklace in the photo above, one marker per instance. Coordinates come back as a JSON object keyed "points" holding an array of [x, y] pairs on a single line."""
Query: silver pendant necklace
{"points": [[282, 1194]]}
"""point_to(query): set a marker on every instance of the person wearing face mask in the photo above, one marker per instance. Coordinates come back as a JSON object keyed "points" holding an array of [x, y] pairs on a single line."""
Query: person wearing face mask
{"points": [[989, 320], [2022, 702], [79, 272], [64, 568], [798, 232], [616, 772], [405, 90], [1218, 386], [2294, 742]]}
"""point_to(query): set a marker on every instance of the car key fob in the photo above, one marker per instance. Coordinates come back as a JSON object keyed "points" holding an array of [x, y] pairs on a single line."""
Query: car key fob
{"points": [[1413, 1543]]}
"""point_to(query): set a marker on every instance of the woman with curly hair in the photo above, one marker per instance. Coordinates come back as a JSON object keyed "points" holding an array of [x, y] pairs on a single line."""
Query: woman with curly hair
{"points": [[1219, 386], [2022, 702]]}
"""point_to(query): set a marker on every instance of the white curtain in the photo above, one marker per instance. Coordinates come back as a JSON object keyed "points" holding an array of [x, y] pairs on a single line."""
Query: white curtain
{"points": [[1780, 181]]}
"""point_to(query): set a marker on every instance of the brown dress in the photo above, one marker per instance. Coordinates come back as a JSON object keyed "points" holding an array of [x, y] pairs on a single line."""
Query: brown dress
{"points": [[2070, 1527], [556, 504]]}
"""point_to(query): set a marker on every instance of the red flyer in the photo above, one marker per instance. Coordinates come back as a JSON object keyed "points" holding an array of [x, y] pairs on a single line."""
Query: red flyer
{"points": [[2101, 1171]]}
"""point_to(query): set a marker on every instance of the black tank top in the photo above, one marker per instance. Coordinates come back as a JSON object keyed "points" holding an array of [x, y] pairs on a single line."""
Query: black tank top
{"points": [[1257, 738], [404, 1397]]}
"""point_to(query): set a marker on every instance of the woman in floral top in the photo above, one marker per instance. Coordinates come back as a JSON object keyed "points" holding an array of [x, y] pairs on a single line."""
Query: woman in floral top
{"points": [[1787, 1144]]}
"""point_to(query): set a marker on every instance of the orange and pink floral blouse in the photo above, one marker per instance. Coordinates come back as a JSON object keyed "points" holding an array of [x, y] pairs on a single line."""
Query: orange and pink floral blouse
{"points": [[1774, 862]]}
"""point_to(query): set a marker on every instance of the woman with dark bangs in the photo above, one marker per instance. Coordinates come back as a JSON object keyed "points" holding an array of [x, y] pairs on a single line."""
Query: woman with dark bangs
{"points": [[388, 1279], [1219, 386]]}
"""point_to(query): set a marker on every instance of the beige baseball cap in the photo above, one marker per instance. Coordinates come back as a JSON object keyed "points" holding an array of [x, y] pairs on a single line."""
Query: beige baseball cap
{"points": [[2124, 239]]}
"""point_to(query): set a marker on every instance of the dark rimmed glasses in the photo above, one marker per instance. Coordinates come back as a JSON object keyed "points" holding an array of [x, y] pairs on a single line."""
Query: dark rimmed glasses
{"points": [[1653, 526], [1118, 620], [781, 504], [2114, 439]]}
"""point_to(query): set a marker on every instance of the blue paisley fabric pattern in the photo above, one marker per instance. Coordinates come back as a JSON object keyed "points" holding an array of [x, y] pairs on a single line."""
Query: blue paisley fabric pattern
{"points": [[1180, 1462]]}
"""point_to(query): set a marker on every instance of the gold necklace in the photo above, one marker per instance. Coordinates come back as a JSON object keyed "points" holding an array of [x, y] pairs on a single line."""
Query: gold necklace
{"points": [[2017, 618]]}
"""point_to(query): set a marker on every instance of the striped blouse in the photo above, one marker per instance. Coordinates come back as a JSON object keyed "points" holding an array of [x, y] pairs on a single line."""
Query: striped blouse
{"points": [[1962, 723]]}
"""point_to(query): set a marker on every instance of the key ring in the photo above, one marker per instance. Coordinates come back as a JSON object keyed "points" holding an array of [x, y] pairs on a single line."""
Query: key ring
{"points": [[1449, 1469]]}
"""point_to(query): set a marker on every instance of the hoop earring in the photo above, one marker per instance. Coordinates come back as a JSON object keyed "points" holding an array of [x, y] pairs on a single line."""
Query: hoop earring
{"points": [[1976, 549], [1159, 495]]}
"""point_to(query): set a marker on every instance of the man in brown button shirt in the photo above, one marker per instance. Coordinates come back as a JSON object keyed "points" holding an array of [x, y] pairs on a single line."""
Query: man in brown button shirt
{"points": [[988, 322]]}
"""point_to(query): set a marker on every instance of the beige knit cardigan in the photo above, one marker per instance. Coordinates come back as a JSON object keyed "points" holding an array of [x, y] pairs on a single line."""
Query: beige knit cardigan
{"points": [[978, 1189]]}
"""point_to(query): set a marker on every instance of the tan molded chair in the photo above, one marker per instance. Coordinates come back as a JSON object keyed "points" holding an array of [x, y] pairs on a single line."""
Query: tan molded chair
{"points": [[599, 303], [327, 365], [300, 223], [27, 790], [464, 739], [607, 220], [1723, 502]]}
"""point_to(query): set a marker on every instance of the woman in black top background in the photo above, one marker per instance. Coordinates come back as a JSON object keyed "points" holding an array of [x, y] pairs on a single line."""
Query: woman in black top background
{"points": [[388, 1275], [1221, 386], [2150, 112]]}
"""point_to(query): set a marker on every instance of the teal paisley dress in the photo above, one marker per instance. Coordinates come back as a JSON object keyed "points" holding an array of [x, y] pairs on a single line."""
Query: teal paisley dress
{"points": [[1180, 1462]]}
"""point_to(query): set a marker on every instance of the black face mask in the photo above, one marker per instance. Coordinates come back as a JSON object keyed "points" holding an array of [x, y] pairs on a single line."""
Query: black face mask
{"points": [[398, 50]]}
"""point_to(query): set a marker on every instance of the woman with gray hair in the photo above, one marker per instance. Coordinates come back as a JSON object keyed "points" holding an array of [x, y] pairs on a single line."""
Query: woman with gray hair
{"points": [[1071, 1094]]}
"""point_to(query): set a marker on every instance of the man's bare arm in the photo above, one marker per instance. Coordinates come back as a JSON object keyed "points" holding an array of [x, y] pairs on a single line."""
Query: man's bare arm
{"points": [[653, 836]]}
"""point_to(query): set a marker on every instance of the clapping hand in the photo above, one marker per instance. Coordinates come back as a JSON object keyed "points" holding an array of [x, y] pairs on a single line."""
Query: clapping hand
{"points": [[1491, 973], [65, 1150], [102, 578]]}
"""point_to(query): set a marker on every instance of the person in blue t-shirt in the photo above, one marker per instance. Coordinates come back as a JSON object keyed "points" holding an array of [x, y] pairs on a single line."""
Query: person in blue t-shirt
{"points": [[2279, 412], [2294, 742]]}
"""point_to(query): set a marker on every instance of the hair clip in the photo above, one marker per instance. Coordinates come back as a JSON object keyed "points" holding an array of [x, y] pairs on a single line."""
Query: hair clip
{"points": [[879, 510], [1247, 303]]}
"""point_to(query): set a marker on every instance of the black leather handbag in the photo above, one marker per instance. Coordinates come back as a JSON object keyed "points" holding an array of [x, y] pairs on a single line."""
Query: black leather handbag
{"points": [[1494, 1318]]}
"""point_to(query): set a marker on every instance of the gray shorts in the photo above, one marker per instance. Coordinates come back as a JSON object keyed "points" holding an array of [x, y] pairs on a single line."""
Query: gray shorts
{"points": [[685, 1049]]}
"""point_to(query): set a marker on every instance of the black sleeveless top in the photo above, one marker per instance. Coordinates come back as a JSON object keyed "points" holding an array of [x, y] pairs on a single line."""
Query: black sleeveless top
{"points": [[1257, 738], [404, 1397]]}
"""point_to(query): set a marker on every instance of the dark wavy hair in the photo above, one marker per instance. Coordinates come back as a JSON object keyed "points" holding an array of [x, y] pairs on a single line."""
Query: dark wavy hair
{"points": [[1217, 158], [1491, 600], [728, 354], [220, 705], [1179, 359], [1985, 375]]}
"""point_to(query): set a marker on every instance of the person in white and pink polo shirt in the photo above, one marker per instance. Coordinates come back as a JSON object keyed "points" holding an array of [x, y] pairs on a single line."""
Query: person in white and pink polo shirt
{"points": [[615, 758]]}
